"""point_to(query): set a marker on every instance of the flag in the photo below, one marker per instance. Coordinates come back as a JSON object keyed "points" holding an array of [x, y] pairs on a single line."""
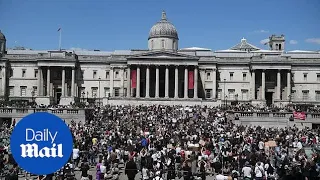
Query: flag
{"points": [[133, 78], [59, 29], [191, 80], [299, 115]]}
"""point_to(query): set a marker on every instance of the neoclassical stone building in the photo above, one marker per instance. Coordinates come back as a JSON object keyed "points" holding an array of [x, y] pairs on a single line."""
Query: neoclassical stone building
{"points": [[163, 73]]}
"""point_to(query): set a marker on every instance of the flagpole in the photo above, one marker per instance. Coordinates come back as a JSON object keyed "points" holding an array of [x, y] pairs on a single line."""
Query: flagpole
{"points": [[60, 39]]}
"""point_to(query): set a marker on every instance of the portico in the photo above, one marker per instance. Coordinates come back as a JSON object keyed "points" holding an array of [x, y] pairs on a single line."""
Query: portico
{"points": [[271, 85], [58, 87], [164, 81]]}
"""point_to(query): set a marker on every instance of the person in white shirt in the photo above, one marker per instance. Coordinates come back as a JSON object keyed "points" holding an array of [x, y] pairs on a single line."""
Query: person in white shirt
{"points": [[75, 156], [259, 171], [221, 177], [246, 171]]}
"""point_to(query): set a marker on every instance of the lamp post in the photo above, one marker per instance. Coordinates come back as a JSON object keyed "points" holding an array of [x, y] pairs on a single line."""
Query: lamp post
{"points": [[224, 94], [87, 96], [83, 95], [237, 98], [99, 92]]}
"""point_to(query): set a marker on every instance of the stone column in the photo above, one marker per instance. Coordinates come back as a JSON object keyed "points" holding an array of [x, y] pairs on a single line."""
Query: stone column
{"points": [[138, 83], [4, 80], [122, 82], [186, 82], [195, 83], [263, 86], [148, 82], [63, 82], [111, 82], [129, 82], [253, 85], [73, 81], [289, 86], [214, 84], [167, 83], [157, 82], [279, 85], [48, 82], [176, 82], [39, 82]]}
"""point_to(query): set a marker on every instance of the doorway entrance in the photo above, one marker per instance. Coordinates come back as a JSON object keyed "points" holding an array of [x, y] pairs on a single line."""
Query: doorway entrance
{"points": [[57, 93], [269, 98]]}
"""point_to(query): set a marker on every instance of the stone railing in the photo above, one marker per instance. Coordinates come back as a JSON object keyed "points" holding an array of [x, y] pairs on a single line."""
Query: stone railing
{"points": [[20, 111], [275, 115]]}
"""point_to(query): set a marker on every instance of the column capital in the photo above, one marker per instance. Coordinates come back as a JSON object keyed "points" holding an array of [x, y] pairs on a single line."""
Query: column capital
{"points": [[279, 70], [263, 70]]}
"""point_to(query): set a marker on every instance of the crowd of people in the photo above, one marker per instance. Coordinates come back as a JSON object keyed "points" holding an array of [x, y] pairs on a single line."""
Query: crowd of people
{"points": [[191, 142]]}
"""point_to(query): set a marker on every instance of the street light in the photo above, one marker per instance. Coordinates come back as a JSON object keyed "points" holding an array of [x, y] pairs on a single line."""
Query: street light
{"points": [[83, 95], [99, 91]]}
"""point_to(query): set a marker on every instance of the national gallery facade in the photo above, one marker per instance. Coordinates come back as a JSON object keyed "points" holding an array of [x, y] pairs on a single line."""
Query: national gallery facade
{"points": [[162, 74]]}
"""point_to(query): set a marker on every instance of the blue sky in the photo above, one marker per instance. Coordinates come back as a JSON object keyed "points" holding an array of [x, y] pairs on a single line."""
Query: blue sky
{"points": [[125, 24]]}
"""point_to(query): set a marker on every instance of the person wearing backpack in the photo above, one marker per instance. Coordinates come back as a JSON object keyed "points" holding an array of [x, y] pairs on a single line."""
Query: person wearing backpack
{"points": [[259, 171]]}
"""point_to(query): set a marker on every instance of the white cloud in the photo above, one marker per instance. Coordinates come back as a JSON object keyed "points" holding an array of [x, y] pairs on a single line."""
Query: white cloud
{"points": [[261, 31], [264, 41], [293, 42], [77, 49], [313, 40]]}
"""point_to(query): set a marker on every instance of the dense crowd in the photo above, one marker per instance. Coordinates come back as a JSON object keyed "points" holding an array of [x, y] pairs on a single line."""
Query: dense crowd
{"points": [[167, 142]]}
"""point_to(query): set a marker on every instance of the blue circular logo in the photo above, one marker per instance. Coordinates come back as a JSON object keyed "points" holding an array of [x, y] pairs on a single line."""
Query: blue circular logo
{"points": [[41, 143]]}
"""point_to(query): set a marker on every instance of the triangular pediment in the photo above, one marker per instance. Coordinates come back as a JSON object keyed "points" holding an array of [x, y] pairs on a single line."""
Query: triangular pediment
{"points": [[162, 54]]}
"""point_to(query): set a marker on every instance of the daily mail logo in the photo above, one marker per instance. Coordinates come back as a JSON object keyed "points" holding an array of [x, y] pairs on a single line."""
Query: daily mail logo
{"points": [[32, 150], [42, 139]]}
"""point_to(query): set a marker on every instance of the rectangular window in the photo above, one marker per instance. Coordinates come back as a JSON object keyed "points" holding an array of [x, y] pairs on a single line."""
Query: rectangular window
{"points": [[106, 92], [116, 75], [107, 74], [231, 76], [94, 76], [305, 77], [318, 77], [124, 92], [219, 93], [23, 91], [244, 94], [305, 95], [11, 91], [317, 95], [23, 73], [36, 73], [244, 76], [162, 44], [82, 92], [116, 92], [208, 75], [231, 94], [94, 91], [125, 74], [208, 93], [34, 91], [293, 95]]}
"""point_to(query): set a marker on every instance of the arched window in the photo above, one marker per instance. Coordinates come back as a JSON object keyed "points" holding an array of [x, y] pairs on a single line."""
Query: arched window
{"points": [[280, 47], [162, 44]]}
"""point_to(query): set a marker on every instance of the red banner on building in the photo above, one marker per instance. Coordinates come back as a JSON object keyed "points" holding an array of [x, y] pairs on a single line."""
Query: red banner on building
{"points": [[133, 78], [299, 115], [191, 80]]}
